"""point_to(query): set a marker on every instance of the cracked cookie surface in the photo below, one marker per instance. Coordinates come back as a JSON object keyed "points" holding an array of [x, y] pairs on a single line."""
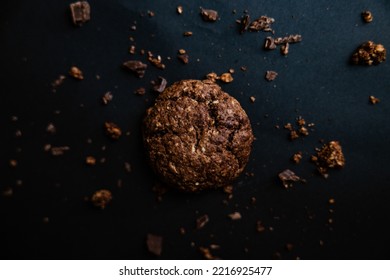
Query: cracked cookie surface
{"points": [[197, 136]]}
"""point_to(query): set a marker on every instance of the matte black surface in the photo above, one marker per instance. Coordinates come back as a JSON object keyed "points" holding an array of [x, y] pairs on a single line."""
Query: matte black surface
{"points": [[38, 42]]}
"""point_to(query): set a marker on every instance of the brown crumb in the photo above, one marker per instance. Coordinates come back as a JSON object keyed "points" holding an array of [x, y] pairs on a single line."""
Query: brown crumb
{"points": [[183, 58], [271, 75], [228, 189], [244, 23], [156, 61], [288, 177], [297, 157], [112, 130], [90, 160], [284, 49], [132, 49], [288, 39], [235, 216], [260, 227], [151, 13], [303, 131], [182, 231], [51, 128], [76, 73], [243, 68], [101, 198], [179, 10], [207, 253], [289, 247], [159, 85], [294, 135], [56, 83], [263, 23], [154, 244], [252, 99], [140, 91], [367, 16], [209, 15], [13, 163], [202, 221], [369, 54], [212, 77], [332, 201], [188, 33], [136, 66], [269, 43], [7, 192], [107, 97], [301, 121], [81, 12], [57, 151], [226, 78], [288, 126], [329, 156], [374, 100], [127, 167]]}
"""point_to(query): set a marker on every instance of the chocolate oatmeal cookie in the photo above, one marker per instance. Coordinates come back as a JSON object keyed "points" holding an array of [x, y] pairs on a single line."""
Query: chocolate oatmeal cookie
{"points": [[197, 136]]}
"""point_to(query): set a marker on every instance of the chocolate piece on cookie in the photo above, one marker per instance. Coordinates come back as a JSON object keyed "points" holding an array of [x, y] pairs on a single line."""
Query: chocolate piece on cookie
{"points": [[197, 136]]}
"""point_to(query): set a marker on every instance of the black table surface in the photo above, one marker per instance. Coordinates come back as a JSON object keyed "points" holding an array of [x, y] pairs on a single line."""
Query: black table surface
{"points": [[47, 215]]}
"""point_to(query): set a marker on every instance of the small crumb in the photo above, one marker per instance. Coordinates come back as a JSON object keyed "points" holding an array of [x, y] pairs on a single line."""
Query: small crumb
{"points": [[207, 253], [154, 244], [90, 160], [57, 151], [367, 16], [112, 130], [7, 192], [13, 163], [182, 231], [231, 71], [151, 13], [228, 189], [260, 227], [183, 58], [329, 156], [101, 198], [76, 73], [127, 167], [284, 49], [107, 97], [51, 128], [119, 183], [332, 201], [288, 177], [179, 10], [235, 216], [188, 33], [271, 75], [140, 91], [132, 49], [212, 77], [226, 78], [202, 221], [136, 66], [297, 157], [56, 83], [289, 247], [209, 15], [156, 61], [81, 12], [45, 220], [252, 99], [243, 68], [160, 84], [374, 100], [293, 135], [369, 54]]}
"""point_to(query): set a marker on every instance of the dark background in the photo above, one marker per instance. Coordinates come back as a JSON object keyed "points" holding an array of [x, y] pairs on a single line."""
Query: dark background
{"points": [[38, 42]]}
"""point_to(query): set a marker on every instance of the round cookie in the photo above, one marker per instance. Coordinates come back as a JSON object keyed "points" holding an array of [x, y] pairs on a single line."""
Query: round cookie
{"points": [[197, 136]]}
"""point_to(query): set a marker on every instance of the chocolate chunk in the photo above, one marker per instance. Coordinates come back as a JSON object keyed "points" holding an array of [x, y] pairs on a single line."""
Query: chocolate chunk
{"points": [[209, 15], [288, 177], [154, 244], [136, 66], [159, 85], [81, 12]]}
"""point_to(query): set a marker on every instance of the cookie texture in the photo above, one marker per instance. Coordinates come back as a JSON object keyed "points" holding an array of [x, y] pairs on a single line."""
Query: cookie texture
{"points": [[197, 136]]}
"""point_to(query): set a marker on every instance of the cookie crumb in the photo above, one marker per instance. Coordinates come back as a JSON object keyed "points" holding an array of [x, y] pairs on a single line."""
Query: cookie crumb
{"points": [[288, 177], [136, 67], [369, 54], [81, 12], [179, 10], [209, 15], [101, 198], [374, 100], [252, 99], [112, 130], [329, 156], [367, 16], [107, 97], [154, 244], [202, 221], [90, 160], [76, 73], [235, 216], [226, 78], [188, 33], [260, 227], [140, 91], [271, 75], [297, 157]]}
